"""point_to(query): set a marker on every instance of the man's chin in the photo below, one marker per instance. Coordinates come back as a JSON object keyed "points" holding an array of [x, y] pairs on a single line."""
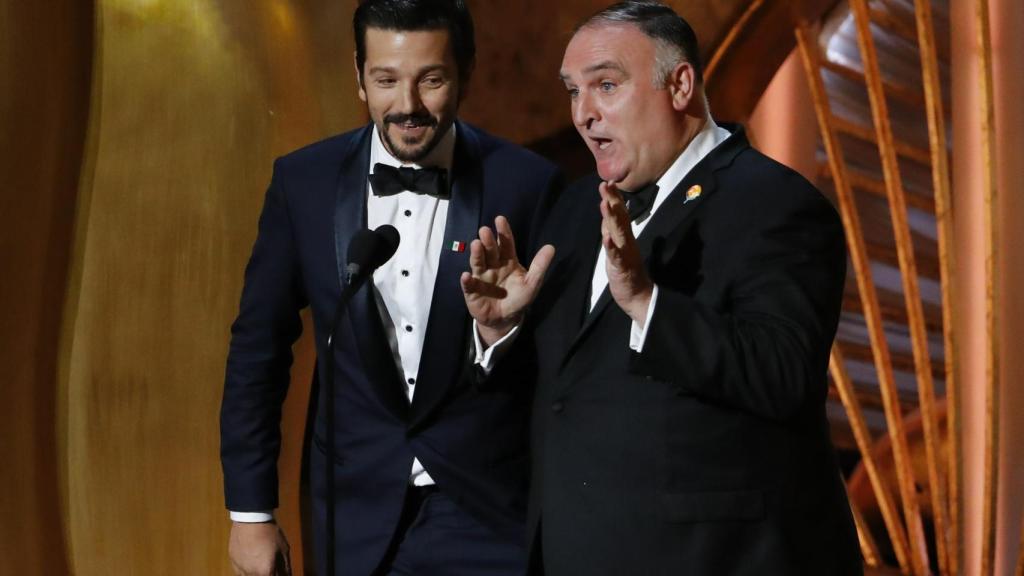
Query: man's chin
{"points": [[609, 174], [408, 150]]}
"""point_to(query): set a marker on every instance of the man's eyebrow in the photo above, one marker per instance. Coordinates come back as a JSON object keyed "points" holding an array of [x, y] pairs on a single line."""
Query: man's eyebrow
{"points": [[393, 70], [604, 65], [600, 66], [381, 70]]}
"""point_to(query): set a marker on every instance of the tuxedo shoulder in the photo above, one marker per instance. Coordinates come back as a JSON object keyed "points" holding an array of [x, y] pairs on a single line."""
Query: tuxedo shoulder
{"points": [[327, 152], [496, 151], [766, 182]]}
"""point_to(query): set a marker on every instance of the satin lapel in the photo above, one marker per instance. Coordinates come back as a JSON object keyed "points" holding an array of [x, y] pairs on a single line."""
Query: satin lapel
{"points": [[363, 315], [573, 302], [445, 352], [674, 212]]}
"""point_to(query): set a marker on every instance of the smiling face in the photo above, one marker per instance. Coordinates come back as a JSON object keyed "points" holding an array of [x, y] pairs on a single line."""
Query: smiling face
{"points": [[411, 88], [633, 128]]}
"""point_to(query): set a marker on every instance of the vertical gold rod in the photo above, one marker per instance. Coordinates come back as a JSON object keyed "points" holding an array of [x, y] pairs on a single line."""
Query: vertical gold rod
{"points": [[868, 547], [947, 267], [908, 272], [869, 299], [890, 515], [988, 144]]}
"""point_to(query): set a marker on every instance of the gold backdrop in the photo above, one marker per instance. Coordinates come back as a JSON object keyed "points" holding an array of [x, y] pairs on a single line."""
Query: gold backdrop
{"points": [[191, 101], [138, 137]]}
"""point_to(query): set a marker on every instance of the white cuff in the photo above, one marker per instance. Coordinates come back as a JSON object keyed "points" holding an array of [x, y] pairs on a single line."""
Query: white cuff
{"points": [[251, 517], [486, 359], [638, 335]]}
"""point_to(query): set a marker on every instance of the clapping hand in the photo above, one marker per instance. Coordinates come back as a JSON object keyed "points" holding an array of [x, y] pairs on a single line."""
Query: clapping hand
{"points": [[497, 287]]}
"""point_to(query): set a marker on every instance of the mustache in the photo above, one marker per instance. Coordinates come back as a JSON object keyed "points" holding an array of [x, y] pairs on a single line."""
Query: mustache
{"points": [[415, 119]]}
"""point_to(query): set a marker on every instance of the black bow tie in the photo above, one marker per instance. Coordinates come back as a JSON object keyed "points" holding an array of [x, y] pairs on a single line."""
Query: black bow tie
{"points": [[639, 203], [388, 180]]}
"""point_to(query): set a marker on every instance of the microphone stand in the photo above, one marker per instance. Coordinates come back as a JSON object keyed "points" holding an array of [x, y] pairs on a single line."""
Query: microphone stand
{"points": [[354, 280]]}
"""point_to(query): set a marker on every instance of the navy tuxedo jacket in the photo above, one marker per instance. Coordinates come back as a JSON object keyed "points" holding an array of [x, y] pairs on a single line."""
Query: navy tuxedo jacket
{"points": [[471, 437], [708, 453]]}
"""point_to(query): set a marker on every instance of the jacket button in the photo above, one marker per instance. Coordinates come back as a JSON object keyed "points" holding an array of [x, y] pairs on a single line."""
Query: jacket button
{"points": [[557, 407]]}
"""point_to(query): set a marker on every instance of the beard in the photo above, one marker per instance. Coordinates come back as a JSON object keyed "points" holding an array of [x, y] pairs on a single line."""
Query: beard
{"points": [[413, 149]]}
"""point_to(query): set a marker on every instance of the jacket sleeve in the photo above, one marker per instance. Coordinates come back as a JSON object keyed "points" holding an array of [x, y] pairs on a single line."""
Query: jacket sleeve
{"points": [[761, 345], [259, 359]]}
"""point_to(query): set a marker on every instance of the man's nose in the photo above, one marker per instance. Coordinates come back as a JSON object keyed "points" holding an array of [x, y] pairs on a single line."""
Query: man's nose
{"points": [[410, 100], [583, 112]]}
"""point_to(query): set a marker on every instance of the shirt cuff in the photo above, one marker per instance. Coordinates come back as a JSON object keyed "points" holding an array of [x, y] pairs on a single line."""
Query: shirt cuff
{"points": [[251, 517], [485, 359], [638, 335]]}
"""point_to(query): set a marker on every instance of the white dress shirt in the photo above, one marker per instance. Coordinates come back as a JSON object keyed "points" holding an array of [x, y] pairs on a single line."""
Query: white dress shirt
{"points": [[404, 285], [702, 144]]}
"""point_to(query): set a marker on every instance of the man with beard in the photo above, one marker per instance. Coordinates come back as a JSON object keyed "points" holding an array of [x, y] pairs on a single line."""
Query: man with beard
{"points": [[430, 466], [682, 336]]}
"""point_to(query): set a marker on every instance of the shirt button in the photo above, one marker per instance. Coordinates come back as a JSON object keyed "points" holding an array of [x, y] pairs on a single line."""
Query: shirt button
{"points": [[405, 273], [408, 212], [408, 328], [557, 407], [411, 381]]}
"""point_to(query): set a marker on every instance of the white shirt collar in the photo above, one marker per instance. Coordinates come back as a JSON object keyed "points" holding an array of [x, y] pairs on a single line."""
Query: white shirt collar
{"points": [[441, 156], [709, 137]]}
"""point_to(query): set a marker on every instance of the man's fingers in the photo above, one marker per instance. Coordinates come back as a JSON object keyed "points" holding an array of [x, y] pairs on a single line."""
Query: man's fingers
{"points": [[506, 240], [613, 253], [490, 244], [472, 286], [539, 266], [283, 567], [610, 192], [477, 258], [615, 222]]}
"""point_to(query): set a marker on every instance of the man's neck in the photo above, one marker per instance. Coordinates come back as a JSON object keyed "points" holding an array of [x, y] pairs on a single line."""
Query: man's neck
{"points": [[692, 126]]}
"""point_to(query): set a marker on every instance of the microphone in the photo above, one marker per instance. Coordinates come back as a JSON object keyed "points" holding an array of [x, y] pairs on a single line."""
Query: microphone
{"points": [[368, 250]]}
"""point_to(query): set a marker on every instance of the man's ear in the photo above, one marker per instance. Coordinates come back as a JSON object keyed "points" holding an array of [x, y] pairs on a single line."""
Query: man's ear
{"points": [[359, 77], [681, 84]]}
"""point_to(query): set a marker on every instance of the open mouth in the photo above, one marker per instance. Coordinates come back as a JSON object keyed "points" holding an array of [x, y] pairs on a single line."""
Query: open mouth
{"points": [[409, 122], [601, 143], [410, 128]]}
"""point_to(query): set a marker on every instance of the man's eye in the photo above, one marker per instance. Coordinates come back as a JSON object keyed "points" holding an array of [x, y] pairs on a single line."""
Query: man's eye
{"points": [[385, 82], [433, 81], [573, 93], [607, 86]]}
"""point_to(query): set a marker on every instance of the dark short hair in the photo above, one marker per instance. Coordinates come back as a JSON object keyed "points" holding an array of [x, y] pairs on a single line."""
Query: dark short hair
{"points": [[658, 22], [418, 15]]}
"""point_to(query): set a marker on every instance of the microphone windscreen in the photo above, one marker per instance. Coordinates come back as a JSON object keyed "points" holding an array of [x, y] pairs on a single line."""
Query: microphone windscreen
{"points": [[362, 248], [389, 239]]}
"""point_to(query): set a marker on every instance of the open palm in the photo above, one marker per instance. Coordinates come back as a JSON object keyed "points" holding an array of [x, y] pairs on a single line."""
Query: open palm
{"points": [[497, 287]]}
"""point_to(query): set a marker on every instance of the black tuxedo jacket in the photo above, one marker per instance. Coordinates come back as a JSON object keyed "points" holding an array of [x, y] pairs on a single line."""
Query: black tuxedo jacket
{"points": [[472, 439], [708, 453]]}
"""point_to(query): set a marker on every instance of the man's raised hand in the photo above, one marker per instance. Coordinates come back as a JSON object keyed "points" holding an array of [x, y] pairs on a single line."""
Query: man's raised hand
{"points": [[497, 287], [628, 281]]}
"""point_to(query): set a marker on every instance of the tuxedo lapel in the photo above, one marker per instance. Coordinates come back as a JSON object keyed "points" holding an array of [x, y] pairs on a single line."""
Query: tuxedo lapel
{"points": [[444, 356], [581, 246], [363, 314], [672, 214]]}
